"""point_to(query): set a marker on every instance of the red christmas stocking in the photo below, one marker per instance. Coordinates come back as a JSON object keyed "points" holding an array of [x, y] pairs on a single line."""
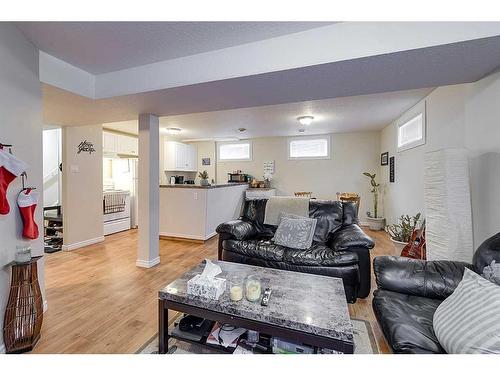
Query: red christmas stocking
{"points": [[10, 168], [27, 201]]}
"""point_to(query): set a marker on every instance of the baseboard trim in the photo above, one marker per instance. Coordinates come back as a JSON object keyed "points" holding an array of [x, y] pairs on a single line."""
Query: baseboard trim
{"points": [[147, 263], [168, 235], [181, 239], [78, 245]]}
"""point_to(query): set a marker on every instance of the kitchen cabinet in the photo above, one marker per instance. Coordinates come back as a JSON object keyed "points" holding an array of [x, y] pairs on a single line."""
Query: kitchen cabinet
{"points": [[120, 144], [180, 157], [128, 145]]}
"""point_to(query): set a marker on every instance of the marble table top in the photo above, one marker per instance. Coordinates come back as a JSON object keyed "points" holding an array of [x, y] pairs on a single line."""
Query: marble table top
{"points": [[304, 302]]}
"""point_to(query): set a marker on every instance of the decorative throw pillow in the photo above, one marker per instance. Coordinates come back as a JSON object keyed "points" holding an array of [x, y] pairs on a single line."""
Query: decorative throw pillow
{"points": [[468, 320], [295, 232]]}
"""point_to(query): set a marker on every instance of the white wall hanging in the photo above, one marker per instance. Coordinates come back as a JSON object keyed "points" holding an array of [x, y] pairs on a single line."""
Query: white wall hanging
{"points": [[448, 205]]}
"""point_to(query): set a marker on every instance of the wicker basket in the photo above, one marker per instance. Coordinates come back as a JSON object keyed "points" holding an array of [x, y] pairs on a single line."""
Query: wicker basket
{"points": [[24, 312]]}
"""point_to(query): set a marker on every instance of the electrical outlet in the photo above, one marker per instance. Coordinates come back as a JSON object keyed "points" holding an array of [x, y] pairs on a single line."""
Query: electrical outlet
{"points": [[75, 169], [195, 196]]}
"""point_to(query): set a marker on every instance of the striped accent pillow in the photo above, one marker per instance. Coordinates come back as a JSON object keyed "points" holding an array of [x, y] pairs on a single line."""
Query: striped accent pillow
{"points": [[468, 321]]}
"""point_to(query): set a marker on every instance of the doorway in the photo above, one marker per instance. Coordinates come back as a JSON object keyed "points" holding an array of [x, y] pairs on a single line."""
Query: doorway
{"points": [[52, 190]]}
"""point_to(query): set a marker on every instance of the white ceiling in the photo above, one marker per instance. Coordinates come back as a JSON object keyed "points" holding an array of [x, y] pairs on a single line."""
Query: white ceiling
{"points": [[427, 67], [347, 114], [101, 47]]}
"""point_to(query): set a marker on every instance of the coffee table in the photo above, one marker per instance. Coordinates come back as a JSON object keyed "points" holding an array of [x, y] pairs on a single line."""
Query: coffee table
{"points": [[304, 308]]}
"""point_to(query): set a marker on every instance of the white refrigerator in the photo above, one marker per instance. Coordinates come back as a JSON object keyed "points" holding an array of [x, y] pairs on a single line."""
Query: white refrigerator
{"points": [[126, 177], [134, 191]]}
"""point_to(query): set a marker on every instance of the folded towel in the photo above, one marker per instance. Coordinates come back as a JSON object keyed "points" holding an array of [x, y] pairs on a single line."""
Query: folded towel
{"points": [[290, 205]]}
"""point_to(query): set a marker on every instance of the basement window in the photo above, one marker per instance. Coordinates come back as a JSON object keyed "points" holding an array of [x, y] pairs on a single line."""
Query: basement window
{"points": [[411, 128], [235, 151], [304, 148]]}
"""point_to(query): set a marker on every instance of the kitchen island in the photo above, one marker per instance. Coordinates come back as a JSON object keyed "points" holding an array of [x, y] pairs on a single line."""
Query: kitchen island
{"points": [[193, 212]]}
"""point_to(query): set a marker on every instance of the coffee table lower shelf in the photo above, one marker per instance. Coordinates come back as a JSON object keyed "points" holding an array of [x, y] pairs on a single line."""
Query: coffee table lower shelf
{"points": [[263, 327]]}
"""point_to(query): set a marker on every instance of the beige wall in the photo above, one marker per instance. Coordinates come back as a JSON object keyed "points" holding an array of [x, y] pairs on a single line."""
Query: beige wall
{"points": [[206, 150], [457, 116], [351, 155], [82, 187], [21, 125]]}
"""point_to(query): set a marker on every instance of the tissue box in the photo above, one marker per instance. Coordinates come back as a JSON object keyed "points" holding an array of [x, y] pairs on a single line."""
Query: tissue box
{"points": [[201, 287]]}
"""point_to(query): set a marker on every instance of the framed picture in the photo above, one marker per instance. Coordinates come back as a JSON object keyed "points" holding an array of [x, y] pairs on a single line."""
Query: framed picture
{"points": [[392, 167], [205, 161], [384, 158]]}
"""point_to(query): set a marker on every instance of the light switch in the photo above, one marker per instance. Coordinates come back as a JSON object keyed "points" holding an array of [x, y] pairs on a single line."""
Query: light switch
{"points": [[74, 169], [195, 196]]}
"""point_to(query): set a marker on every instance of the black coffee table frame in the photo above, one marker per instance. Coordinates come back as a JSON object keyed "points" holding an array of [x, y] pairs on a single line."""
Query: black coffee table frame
{"points": [[270, 329]]}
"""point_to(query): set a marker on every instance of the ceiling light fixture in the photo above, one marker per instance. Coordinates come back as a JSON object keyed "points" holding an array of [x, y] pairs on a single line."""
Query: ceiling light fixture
{"points": [[305, 120], [173, 131]]}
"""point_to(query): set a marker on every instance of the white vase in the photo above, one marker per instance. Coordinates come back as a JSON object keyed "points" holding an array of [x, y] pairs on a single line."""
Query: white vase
{"points": [[376, 223], [398, 246]]}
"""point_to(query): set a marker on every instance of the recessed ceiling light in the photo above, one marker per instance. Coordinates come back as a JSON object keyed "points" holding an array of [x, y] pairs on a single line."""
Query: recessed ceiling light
{"points": [[302, 130], [242, 130], [305, 120], [172, 130]]}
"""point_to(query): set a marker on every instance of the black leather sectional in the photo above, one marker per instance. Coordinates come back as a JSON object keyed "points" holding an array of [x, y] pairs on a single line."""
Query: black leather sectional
{"points": [[340, 247], [410, 290]]}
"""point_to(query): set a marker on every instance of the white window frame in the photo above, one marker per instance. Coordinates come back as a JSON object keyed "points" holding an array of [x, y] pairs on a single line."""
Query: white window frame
{"points": [[219, 144], [417, 110], [311, 137]]}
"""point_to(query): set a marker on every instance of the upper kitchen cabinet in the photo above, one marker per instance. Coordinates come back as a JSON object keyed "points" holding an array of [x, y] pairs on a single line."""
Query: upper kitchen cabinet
{"points": [[120, 144], [180, 157]]}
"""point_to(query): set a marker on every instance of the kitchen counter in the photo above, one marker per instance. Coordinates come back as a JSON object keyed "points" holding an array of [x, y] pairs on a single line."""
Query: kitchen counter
{"points": [[214, 186], [193, 211]]}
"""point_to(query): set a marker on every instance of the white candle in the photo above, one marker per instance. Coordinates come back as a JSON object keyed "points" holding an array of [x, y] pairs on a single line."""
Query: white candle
{"points": [[253, 290], [236, 293]]}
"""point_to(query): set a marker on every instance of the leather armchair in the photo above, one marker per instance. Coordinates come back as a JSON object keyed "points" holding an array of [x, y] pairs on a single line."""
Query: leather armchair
{"points": [[340, 247], [410, 290], [430, 279]]}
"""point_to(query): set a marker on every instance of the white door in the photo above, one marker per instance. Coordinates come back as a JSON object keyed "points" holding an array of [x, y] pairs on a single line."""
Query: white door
{"points": [[192, 158], [52, 176], [109, 142], [181, 161]]}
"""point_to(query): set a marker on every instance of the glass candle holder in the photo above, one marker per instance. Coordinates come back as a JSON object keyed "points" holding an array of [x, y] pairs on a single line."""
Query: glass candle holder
{"points": [[252, 288], [23, 254], [236, 289]]}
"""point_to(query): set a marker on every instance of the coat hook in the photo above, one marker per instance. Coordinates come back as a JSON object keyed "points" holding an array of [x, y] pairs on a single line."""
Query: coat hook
{"points": [[24, 178], [7, 146]]}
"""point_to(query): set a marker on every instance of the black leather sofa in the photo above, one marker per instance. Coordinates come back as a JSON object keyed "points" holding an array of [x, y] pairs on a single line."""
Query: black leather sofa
{"points": [[340, 248], [410, 290]]}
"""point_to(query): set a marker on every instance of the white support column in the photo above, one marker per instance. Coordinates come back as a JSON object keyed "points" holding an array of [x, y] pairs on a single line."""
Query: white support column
{"points": [[149, 191]]}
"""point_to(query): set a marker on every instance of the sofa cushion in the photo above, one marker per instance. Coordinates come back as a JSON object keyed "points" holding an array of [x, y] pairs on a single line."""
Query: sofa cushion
{"points": [[264, 249], [254, 211], [406, 321], [320, 255], [329, 215]]}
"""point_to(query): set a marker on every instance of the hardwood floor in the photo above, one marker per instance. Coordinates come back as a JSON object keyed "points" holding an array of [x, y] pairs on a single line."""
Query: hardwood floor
{"points": [[100, 302]]}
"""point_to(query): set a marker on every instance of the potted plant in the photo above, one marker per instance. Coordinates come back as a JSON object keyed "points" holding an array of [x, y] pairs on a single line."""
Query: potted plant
{"points": [[374, 222], [203, 178], [268, 176], [401, 233]]}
